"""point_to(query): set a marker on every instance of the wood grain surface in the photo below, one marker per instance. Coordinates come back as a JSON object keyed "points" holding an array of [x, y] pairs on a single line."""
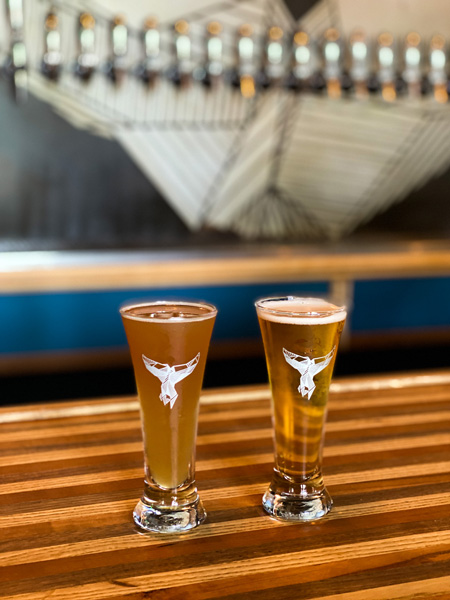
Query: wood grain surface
{"points": [[70, 475]]}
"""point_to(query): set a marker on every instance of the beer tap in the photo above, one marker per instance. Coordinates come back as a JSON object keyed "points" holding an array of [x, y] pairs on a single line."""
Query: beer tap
{"points": [[214, 66], [181, 72], [437, 75], [151, 39], [87, 59], [16, 62], [359, 70], [116, 67], [245, 73], [302, 67], [386, 66], [52, 59], [274, 53], [333, 56], [15, 14], [412, 73]]}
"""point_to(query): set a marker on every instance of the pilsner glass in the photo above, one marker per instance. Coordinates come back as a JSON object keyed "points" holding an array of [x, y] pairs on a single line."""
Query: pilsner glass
{"points": [[301, 337], [168, 343]]}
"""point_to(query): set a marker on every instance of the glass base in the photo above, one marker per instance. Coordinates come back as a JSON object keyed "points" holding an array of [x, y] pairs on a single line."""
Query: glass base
{"points": [[300, 502], [150, 516]]}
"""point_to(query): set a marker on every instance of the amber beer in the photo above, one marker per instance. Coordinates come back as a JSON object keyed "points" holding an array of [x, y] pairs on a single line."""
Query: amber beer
{"points": [[301, 337], [168, 343]]}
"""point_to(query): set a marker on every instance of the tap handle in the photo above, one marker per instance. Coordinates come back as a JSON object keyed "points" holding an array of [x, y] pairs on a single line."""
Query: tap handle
{"points": [[150, 66], [333, 55], [87, 60], [438, 64], [181, 71], [52, 58], [16, 63], [117, 65]]}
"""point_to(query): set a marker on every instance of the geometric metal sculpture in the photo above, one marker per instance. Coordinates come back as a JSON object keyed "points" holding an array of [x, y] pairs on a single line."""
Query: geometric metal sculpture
{"points": [[272, 165]]}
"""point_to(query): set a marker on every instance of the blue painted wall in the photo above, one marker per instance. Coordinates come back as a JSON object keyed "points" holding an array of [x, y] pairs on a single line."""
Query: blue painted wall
{"points": [[64, 321], [89, 320], [401, 304]]}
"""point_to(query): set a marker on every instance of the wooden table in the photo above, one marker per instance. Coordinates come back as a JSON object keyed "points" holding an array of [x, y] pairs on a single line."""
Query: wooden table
{"points": [[70, 475]]}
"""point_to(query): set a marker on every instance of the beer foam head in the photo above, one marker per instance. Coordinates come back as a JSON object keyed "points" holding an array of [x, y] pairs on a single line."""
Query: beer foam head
{"points": [[166, 311], [300, 311]]}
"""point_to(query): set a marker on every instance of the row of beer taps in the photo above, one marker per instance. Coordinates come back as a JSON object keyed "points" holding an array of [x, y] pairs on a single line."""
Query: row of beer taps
{"points": [[293, 60]]}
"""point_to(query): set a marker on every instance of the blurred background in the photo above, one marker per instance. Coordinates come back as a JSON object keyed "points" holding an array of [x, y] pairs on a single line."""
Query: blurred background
{"points": [[221, 151]]}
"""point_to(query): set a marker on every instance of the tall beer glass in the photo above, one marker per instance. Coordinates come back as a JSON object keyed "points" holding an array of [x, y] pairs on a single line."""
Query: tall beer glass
{"points": [[301, 337], [168, 343]]}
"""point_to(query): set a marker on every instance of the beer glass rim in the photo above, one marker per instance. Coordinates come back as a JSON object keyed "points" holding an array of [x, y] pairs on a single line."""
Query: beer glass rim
{"points": [[126, 306], [316, 313]]}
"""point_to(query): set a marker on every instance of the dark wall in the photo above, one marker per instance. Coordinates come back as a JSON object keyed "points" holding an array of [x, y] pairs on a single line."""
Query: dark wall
{"points": [[299, 7], [63, 187], [424, 214]]}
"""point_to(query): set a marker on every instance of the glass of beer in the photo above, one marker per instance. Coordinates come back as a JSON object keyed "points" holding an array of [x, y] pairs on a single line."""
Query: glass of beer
{"points": [[168, 343], [301, 338]]}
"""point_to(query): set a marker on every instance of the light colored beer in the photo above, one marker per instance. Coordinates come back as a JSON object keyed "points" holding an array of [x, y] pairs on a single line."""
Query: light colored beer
{"points": [[301, 337], [170, 336]]}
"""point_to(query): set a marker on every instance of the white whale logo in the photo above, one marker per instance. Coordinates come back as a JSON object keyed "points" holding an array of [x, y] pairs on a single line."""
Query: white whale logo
{"points": [[308, 369], [169, 376]]}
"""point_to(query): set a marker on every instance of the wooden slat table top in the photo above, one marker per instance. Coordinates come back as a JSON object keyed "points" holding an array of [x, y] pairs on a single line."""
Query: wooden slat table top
{"points": [[70, 475]]}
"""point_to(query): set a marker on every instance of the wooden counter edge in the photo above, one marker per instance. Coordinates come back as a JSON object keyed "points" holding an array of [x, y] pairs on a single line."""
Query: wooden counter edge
{"points": [[225, 270]]}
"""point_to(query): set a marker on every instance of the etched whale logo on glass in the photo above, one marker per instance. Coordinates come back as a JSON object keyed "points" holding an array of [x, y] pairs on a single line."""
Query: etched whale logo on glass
{"points": [[308, 369], [170, 376]]}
